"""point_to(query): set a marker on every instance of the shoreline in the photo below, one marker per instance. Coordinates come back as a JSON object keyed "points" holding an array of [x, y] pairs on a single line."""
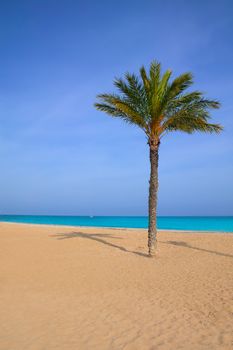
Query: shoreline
{"points": [[123, 228]]}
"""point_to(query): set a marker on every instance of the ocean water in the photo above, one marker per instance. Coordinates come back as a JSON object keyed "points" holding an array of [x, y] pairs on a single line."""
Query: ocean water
{"points": [[194, 223]]}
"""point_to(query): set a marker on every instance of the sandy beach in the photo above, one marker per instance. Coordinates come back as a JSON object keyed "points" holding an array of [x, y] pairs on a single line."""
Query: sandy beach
{"points": [[72, 288]]}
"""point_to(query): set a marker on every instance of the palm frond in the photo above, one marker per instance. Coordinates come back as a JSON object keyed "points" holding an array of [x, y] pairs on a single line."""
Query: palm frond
{"points": [[180, 84], [159, 95], [190, 118], [133, 93], [145, 80], [192, 124], [116, 106], [155, 71]]}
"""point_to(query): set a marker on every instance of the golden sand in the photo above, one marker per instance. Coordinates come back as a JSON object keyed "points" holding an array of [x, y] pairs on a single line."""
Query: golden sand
{"points": [[69, 288]]}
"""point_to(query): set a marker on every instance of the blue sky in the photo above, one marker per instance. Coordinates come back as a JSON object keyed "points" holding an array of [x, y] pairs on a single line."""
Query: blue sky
{"points": [[60, 156]]}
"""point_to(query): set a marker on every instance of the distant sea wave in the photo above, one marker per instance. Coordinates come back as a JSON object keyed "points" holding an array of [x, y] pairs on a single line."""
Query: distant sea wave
{"points": [[193, 223]]}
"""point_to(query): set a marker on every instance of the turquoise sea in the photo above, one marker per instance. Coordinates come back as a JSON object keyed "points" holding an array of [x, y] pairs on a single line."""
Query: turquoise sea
{"points": [[194, 223]]}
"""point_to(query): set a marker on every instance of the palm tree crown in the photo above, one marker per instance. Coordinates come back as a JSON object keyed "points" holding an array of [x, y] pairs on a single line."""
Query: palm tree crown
{"points": [[158, 105]]}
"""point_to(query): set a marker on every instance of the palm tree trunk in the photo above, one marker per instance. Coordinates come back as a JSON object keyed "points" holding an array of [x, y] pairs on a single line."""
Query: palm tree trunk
{"points": [[153, 190]]}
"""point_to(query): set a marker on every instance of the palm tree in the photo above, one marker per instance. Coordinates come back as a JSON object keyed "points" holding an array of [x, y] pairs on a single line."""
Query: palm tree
{"points": [[157, 106]]}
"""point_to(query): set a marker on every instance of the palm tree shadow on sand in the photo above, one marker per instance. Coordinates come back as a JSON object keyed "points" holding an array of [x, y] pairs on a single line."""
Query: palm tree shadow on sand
{"points": [[187, 245], [98, 237]]}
